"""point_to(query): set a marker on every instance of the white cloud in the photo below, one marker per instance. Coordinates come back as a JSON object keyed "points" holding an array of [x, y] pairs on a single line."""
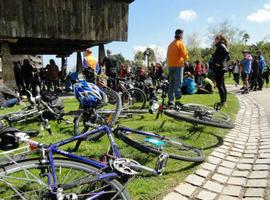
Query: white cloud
{"points": [[261, 15], [187, 15], [160, 52], [210, 20], [139, 48]]}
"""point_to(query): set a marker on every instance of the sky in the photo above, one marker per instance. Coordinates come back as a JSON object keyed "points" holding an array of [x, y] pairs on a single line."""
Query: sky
{"points": [[152, 23]]}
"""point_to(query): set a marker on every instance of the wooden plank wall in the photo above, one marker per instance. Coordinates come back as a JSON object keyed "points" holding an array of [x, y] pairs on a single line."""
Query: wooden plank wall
{"points": [[92, 20]]}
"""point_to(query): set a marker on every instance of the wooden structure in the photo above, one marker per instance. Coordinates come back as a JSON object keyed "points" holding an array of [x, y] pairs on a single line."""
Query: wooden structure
{"points": [[60, 27]]}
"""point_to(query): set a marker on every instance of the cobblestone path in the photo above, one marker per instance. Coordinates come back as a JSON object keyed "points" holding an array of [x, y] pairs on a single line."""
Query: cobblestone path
{"points": [[238, 169]]}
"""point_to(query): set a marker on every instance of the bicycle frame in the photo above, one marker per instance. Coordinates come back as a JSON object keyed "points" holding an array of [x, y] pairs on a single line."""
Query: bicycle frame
{"points": [[54, 149], [49, 151]]}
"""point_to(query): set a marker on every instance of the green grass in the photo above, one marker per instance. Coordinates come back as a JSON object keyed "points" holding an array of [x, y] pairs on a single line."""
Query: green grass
{"points": [[229, 80], [146, 186]]}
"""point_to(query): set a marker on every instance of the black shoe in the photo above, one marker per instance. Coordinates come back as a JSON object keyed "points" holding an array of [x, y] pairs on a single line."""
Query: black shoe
{"points": [[170, 105], [178, 105], [245, 91], [242, 88]]}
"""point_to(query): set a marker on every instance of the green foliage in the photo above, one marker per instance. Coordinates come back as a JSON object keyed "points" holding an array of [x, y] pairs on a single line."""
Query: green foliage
{"points": [[150, 55], [139, 58]]}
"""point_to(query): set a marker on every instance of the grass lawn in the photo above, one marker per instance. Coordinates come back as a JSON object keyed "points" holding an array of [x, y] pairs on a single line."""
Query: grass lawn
{"points": [[147, 186]]}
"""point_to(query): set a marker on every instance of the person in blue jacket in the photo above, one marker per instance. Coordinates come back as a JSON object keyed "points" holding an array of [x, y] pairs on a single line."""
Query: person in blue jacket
{"points": [[245, 70], [262, 64], [188, 85]]}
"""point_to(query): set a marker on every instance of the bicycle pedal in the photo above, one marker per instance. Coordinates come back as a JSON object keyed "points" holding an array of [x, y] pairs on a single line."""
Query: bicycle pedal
{"points": [[161, 162]]}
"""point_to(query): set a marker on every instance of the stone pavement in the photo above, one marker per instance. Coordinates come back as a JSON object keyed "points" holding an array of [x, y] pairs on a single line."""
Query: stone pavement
{"points": [[239, 169]]}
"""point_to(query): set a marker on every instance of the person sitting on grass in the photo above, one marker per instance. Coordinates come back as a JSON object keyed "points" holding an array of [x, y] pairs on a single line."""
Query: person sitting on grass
{"points": [[207, 86], [7, 97], [188, 85]]}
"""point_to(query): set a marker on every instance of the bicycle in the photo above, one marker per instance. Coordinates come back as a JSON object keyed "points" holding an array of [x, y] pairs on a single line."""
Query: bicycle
{"points": [[71, 176], [194, 113], [44, 106], [144, 141]]}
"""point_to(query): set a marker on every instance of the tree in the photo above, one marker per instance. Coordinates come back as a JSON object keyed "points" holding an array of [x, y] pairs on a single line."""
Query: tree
{"points": [[149, 54], [193, 45], [231, 33], [120, 58], [246, 37], [138, 58]]}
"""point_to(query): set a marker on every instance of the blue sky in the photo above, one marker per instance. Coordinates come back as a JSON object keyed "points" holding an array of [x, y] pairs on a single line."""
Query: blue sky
{"points": [[152, 23]]}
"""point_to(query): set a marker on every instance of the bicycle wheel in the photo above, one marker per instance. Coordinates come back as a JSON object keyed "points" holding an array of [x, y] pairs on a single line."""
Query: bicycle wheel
{"points": [[199, 114], [112, 110], [153, 143], [134, 98], [28, 180], [109, 116]]}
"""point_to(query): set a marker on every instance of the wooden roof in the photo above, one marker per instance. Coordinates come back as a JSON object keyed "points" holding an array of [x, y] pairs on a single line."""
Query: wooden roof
{"points": [[62, 26]]}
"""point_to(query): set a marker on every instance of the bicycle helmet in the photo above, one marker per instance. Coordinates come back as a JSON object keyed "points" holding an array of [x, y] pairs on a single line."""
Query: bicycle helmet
{"points": [[89, 95], [8, 140]]}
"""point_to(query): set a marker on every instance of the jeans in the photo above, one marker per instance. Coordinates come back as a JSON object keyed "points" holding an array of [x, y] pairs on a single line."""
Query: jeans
{"points": [[10, 102], [175, 83]]}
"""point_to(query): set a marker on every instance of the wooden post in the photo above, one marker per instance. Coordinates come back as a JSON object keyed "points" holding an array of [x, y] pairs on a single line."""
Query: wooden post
{"points": [[101, 53], [79, 62], [7, 66]]}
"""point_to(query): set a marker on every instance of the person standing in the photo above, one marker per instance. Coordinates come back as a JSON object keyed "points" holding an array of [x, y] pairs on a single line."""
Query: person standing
{"points": [[197, 73], [27, 74], [177, 54], [254, 74], [245, 70], [262, 64], [53, 72], [236, 72], [18, 76], [90, 66], [220, 57], [111, 68], [266, 74]]}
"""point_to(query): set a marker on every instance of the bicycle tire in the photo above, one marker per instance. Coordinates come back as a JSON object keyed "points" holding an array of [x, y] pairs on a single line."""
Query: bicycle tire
{"points": [[136, 94], [214, 118], [138, 141], [68, 170], [80, 125]]}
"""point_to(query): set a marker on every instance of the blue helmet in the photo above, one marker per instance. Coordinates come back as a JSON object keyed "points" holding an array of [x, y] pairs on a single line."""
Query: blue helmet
{"points": [[89, 95]]}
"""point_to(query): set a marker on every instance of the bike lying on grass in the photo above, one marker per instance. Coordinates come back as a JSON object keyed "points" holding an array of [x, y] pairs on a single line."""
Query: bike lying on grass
{"points": [[193, 113], [44, 107], [70, 176]]}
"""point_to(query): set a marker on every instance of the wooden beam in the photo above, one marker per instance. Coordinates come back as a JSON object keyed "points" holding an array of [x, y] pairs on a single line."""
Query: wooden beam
{"points": [[7, 66]]}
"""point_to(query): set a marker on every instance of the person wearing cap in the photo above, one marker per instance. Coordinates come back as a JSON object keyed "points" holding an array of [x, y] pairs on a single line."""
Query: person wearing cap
{"points": [[245, 70], [219, 59], [177, 55], [90, 66]]}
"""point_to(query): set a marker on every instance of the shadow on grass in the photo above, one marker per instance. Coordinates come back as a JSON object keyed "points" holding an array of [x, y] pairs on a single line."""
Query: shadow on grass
{"points": [[220, 142]]}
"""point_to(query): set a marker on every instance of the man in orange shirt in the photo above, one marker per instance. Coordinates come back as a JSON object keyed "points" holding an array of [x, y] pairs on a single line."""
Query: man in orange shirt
{"points": [[90, 65], [177, 54]]}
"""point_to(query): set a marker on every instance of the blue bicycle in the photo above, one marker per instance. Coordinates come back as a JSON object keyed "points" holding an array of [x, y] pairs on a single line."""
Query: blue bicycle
{"points": [[71, 176]]}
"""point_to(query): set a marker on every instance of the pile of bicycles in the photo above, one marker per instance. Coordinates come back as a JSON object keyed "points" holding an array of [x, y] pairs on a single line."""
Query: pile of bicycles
{"points": [[55, 173]]}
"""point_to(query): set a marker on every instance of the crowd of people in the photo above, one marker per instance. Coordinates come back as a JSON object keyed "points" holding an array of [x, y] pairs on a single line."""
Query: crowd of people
{"points": [[184, 77], [28, 76]]}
